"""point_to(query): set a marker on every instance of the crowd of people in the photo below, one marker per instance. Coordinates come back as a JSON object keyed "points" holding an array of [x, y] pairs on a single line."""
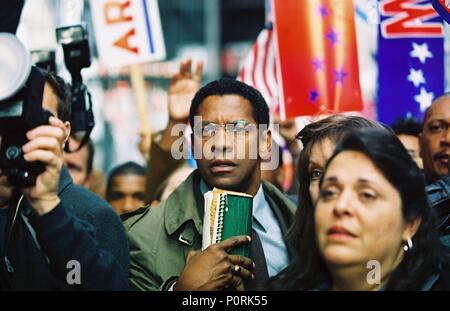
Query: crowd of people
{"points": [[365, 192]]}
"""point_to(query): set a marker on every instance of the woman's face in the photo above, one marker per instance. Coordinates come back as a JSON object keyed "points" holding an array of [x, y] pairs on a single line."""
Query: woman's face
{"points": [[358, 216], [320, 153]]}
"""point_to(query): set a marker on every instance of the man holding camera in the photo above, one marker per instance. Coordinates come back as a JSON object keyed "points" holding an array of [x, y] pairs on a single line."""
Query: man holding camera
{"points": [[55, 235]]}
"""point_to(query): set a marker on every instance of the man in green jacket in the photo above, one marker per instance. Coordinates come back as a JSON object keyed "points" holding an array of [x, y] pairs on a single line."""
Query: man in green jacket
{"points": [[165, 242]]}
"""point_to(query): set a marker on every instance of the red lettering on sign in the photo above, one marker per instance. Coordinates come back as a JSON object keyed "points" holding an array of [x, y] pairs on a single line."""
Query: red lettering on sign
{"points": [[408, 19], [123, 42], [120, 6]]}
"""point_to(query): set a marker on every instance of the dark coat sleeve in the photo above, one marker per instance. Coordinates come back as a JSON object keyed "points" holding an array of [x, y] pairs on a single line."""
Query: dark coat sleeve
{"points": [[65, 240], [108, 229]]}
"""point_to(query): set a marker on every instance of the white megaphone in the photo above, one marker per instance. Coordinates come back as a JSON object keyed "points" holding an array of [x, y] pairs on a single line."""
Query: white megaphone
{"points": [[21, 94], [15, 65]]}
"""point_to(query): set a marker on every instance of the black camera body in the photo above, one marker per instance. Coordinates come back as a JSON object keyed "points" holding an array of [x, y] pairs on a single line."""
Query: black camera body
{"points": [[19, 114], [75, 44]]}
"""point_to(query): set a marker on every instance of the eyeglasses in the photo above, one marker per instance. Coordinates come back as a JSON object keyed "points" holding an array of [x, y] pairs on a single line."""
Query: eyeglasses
{"points": [[236, 127]]}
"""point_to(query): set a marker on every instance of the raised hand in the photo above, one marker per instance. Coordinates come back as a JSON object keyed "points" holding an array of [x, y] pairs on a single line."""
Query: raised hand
{"points": [[182, 89]]}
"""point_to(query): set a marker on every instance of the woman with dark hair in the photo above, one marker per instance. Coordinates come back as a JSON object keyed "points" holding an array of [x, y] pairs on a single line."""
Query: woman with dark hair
{"points": [[319, 140], [372, 208]]}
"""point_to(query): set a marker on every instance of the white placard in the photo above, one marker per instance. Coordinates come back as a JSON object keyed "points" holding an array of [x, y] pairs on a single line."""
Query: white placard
{"points": [[127, 31]]}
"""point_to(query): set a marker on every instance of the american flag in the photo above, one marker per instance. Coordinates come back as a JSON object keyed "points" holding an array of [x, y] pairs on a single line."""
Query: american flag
{"points": [[259, 67], [259, 70]]}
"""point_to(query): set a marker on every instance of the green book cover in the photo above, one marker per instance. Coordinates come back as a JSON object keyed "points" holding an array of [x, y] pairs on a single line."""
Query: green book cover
{"points": [[227, 214]]}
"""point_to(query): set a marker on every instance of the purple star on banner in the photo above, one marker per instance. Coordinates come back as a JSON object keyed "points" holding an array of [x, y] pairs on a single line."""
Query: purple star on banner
{"points": [[318, 64], [323, 11], [332, 36], [340, 75], [313, 95]]}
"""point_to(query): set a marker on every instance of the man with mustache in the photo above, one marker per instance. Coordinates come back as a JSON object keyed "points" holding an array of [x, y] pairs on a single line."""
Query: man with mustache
{"points": [[165, 241], [435, 152]]}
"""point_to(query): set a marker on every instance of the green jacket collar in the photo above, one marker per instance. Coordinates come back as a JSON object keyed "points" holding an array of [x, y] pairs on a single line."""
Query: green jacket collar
{"points": [[181, 206], [185, 205]]}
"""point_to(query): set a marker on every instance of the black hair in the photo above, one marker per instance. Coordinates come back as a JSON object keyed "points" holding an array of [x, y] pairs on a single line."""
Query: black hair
{"points": [[407, 126], [128, 168], [63, 94], [334, 127], [426, 258], [232, 87]]}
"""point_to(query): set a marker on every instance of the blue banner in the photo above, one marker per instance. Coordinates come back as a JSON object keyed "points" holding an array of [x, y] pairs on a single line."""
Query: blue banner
{"points": [[410, 59]]}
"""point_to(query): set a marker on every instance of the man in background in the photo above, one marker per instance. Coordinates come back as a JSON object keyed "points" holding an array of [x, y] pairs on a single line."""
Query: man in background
{"points": [[125, 188], [435, 152], [408, 131], [79, 162], [81, 169]]}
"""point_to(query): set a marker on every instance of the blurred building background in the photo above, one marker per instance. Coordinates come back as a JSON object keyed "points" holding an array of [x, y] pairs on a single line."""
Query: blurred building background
{"points": [[219, 32]]}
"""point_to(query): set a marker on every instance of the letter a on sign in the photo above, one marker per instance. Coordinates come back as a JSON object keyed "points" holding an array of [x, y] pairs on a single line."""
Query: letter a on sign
{"points": [[127, 31]]}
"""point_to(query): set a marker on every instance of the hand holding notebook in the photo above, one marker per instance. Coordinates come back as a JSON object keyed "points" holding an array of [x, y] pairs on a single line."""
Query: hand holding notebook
{"points": [[227, 214], [214, 268], [223, 261]]}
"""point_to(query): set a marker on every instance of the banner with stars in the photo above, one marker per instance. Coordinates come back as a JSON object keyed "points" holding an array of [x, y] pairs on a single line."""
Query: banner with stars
{"points": [[410, 59], [317, 60]]}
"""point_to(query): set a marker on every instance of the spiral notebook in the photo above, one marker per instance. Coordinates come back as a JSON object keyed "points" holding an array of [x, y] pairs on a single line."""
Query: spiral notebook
{"points": [[227, 214]]}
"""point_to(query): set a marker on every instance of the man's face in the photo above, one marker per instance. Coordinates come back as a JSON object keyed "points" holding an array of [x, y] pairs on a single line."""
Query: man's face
{"points": [[411, 144], [435, 139], [50, 100], [126, 193], [229, 158], [77, 163], [50, 103]]}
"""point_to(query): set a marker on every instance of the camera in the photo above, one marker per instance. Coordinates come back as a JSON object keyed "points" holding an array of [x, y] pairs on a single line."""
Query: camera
{"points": [[75, 44], [21, 93], [44, 59]]}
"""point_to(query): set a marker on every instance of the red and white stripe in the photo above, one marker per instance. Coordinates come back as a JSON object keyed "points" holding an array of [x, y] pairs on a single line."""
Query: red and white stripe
{"points": [[259, 68]]}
